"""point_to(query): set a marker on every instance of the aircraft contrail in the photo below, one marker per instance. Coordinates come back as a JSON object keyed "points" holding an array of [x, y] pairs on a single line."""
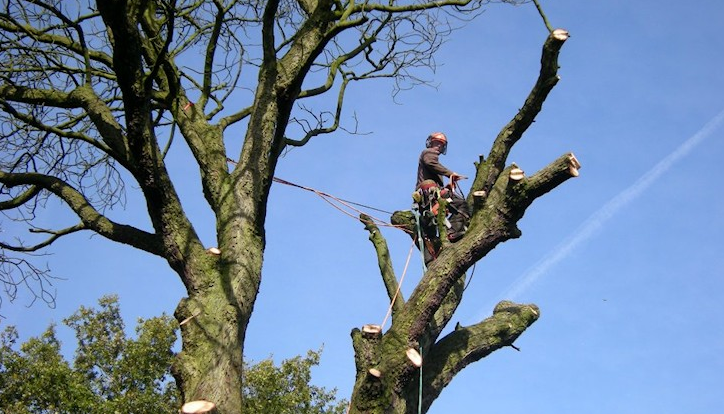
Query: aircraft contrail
{"points": [[600, 217]]}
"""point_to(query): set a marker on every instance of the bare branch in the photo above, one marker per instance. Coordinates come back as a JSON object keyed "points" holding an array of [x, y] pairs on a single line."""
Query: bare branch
{"points": [[21, 199], [543, 16], [9, 24], [321, 129], [390, 8], [209, 56], [16, 273], [466, 345], [385, 264], [90, 217], [334, 68], [55, 235]]}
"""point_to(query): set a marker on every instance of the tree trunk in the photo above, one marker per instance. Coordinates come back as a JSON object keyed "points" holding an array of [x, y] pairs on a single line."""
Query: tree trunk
{"points": [[389, 379], [209, 364]]}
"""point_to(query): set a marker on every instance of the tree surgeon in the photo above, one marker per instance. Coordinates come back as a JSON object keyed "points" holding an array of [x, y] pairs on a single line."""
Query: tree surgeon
{"points": [[430, 188]]}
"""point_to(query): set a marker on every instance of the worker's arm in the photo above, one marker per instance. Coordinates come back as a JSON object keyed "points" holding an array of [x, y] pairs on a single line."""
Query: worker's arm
{"points": [[432, 160]]}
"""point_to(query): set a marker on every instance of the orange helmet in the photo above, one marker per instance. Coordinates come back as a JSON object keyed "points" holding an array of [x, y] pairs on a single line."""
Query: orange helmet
{"points": [[437, 138]]}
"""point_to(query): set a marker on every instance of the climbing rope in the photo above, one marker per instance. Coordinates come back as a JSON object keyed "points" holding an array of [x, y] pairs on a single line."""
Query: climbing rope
{"points": [[419, 398], [424, 270], [336, 202], [399, 285], [285, 182], [420, 239], [470, 279]]}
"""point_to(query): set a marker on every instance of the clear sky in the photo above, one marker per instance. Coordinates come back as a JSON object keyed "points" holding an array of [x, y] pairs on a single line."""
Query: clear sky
{"points": [[624, 261]]}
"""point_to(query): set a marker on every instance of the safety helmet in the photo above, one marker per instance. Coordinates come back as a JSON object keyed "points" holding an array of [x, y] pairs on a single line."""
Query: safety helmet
{"points": [[437, 138]]}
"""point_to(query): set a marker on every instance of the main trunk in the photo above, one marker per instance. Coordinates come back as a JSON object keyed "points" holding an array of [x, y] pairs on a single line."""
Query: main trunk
{"points": [[223, 285], [215, 316], [212, 332]]}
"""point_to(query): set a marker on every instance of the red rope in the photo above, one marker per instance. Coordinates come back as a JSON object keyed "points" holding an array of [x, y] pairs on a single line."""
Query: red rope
{"points": [[348, 204]]}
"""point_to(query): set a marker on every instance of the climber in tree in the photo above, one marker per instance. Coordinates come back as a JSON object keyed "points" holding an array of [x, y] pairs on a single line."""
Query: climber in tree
{"points": [[430, 173]]}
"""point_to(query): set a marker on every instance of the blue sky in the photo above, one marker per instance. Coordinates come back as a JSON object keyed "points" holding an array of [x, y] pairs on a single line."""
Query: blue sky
{"points": [[624, 261]]}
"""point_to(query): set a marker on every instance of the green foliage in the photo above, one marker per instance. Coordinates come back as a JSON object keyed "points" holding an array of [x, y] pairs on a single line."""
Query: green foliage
{"points": [[286, 389], [115, 374], [37, 379], [110, 373]]}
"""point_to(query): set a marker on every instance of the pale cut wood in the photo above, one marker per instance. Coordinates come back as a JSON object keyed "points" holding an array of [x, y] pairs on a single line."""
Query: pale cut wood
{"points": [[516, 174], [479, 197], [199, 407], [414, 357], [185, 321], [375, 372], [560, 34], [573, 165]]}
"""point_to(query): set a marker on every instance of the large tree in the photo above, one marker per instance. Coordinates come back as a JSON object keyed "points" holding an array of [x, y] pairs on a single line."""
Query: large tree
{"points": [[93, 94]]}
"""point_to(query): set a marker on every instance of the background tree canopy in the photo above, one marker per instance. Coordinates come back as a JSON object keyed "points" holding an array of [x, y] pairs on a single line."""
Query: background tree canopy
{"points": [[113, 373]]}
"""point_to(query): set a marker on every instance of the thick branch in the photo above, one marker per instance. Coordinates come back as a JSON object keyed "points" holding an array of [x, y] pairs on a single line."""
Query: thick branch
{"points": [[90, 217], [267, 32], [545, 180], [46, 97], [385, 264], [466, 345], [489, 170], [366, 348]]}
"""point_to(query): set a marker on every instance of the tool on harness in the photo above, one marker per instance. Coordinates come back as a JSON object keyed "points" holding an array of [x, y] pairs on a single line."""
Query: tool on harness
{"points": [[426, 202], [426, 197], [426, 208]]}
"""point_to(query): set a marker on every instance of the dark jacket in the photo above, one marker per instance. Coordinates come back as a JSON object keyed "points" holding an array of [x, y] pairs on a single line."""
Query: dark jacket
{"points": [[430, 168]]}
